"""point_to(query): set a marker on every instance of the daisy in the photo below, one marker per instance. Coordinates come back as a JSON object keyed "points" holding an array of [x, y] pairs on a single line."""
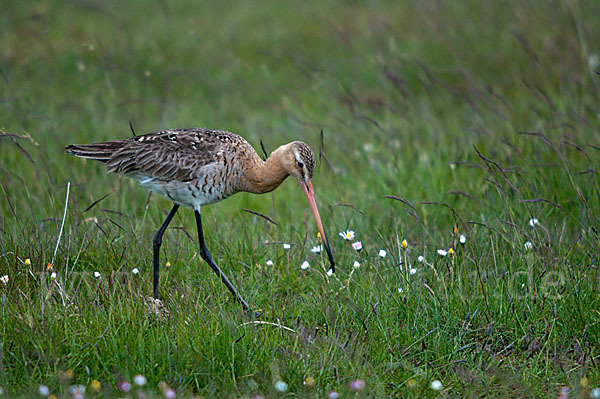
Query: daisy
{"points": [[330, 272], [357, 385], [533, 222], [528, 245], [97, 274], [43, 390], [77, 391], [436, 385], [269, 262], [347, 235], [135, 270], [139, 380], [356, 264], [421, 258], [382, 253], [412, 271], [462, 239], [286, 245], [281, 386], [357, 245], [53, 276], [442, 252], [4, 279], [316, 249], [305, 265]]}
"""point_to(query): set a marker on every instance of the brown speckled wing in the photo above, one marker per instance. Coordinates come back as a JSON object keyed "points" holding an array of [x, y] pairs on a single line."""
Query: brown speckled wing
{"points": [[172, 155], [169, 155]]}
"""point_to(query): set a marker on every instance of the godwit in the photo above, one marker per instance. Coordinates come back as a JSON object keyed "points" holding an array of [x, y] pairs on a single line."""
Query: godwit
{"points": [[195, 167]]}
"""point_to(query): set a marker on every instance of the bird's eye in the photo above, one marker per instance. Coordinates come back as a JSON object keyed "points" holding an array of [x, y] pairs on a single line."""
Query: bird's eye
{"points": [[300, 165]]}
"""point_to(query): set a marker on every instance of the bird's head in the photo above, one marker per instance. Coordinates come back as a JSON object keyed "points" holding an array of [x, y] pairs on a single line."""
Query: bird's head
{"points": [[299, 161]]}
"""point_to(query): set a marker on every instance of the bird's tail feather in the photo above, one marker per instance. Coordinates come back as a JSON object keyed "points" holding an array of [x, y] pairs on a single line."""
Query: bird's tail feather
{"points": [[102, 152]]}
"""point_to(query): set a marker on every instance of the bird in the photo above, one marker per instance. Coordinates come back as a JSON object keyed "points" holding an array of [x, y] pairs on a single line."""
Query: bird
{"points": [[199, 166]]}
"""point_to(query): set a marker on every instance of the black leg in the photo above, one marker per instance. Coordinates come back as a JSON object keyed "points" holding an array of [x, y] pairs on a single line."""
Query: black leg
{"points": [[205, 254], [156, 241]]}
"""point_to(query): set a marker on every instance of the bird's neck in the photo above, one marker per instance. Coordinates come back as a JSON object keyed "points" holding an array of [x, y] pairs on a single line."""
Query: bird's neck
{"points": [[266, 176]]}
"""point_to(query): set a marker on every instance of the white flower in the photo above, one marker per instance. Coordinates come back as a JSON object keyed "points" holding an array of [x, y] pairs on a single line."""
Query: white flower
{"points": [[382, 253], [316, 249], [357, 385], [77, 391], [528, 245], [53, 276], [356, 263], [412, 271], [305, 265], [436, 385], [357, 245], [4, 279], [462, 239], [347, 235], [330, 272], [421, 258], [43, 390], [135, 270], [533, 222], [97, 274], [281, 386], [286, 245], [269, 262], [400, 290], [442, 252], [139, 380]]}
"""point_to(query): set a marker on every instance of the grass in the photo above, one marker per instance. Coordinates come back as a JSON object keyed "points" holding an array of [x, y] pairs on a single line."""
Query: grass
{"points": [[473, 115]]}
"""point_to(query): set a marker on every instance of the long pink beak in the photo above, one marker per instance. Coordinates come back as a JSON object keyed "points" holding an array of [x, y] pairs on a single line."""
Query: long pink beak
{"points": [[307, 187]]}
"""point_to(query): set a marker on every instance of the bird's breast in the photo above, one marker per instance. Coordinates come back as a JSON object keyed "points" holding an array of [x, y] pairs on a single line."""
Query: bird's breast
{"points": [[204, 190]]}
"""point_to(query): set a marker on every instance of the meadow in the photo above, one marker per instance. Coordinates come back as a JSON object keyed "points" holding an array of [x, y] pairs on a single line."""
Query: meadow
{"points": [[458, 141]]}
